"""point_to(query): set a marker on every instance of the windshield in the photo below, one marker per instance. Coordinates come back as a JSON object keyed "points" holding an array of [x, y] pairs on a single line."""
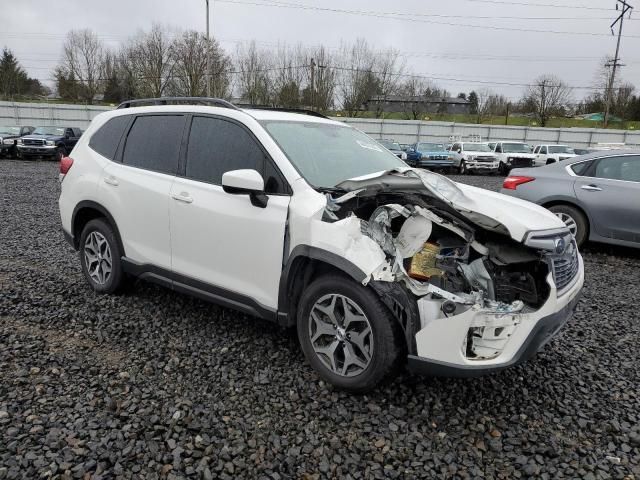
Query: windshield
{"points": [[326, 155], [389, 145], [560, 149], [48, 131], [431, 147], [516, 148], [9, 130], [476, 147]]}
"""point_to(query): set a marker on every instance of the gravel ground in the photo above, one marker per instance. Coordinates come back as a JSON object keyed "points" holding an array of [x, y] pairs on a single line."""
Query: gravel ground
{"points": [[153, 384]]}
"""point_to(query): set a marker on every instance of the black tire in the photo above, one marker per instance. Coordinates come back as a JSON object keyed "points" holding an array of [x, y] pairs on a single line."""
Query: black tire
{"points": [[582, 224], [61, 152], [502, 169], [388, 349], [462, 169], [116, 278]]}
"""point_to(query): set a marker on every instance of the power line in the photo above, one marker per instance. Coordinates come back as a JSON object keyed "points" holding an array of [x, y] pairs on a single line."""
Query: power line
{"points": [[279, 4]]}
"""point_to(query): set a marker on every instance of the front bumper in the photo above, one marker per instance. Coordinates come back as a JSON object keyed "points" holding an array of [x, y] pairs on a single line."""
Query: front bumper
{"points": [[44, 150], [475, 165], [440, 344], [426, 163]]}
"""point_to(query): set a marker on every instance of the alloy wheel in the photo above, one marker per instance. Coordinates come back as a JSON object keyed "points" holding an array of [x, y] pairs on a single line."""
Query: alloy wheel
{"points": [[97, 256], [569, 222], [341, 335]]}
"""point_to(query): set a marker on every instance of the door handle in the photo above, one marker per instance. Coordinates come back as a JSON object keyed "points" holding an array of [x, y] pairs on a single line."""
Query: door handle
{"points": [[591, 188], [113, 181], [183, 197]]}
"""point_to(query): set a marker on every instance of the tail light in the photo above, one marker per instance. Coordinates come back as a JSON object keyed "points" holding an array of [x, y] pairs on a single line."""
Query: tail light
{"points": [[511, 183], [65, 165]]}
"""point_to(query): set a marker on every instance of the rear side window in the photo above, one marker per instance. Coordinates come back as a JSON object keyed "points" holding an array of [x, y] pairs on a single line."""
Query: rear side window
{"points": [[105, 141], [153, 143], [619, 168], [217, 146]]}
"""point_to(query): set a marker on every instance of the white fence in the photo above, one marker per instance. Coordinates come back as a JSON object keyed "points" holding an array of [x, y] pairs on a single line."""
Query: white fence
{"points": [[403, 131], [36, 114], [411, 131]]}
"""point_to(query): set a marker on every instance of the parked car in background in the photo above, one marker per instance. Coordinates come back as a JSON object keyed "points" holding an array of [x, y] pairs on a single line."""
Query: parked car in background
{"points": [[393, 147], [474, 157], [430, 155], [597, 196], [9, 139], [513, 155], [546, 154], [49, 142]]}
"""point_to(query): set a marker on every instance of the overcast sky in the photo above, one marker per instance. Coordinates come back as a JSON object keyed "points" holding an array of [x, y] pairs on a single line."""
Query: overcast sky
{"points": [[436, 37]]}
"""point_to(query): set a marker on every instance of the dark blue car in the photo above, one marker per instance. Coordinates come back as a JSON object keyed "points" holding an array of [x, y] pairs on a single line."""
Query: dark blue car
{"points": [[429, 155]]}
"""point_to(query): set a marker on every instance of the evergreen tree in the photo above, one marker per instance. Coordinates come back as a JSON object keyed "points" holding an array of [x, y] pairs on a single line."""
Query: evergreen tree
{"points": [[473, 103]]}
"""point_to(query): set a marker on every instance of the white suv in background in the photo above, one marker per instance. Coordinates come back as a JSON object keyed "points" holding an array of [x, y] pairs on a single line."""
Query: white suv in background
{"points": [[546, 154], [310, 223], [513, 155]]}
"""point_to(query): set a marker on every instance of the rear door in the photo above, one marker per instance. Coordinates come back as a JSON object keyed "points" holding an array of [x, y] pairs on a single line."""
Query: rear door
{"points": [[136, 191], [610, 190], [233, 247]]}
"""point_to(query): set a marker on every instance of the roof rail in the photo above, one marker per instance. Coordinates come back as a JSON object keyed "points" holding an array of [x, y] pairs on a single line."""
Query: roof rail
{"points": [[214, 102], [301, 111]]}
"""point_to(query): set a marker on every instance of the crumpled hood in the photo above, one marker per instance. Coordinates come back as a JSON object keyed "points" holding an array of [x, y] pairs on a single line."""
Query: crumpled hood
{"points": [[485, 208]]}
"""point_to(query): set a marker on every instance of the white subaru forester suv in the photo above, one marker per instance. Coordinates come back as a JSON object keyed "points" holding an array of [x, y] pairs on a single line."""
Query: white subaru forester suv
{"points": [[310, 223]]}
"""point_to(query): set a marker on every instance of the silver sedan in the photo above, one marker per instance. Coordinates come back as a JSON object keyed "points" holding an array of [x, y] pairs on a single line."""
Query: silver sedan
{"points": [[597, 195]]}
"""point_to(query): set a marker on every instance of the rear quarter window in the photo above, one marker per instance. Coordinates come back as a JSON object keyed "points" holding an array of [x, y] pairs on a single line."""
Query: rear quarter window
{"points": [[581, 168], [106, 139]]}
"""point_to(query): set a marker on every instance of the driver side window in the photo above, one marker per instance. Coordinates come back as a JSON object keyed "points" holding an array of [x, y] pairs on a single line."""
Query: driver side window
{"points": [[543, 150], [217, 146]]}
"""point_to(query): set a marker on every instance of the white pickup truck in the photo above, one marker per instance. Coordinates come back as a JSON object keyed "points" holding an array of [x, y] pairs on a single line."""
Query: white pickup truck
{"points": [[513, 155], [546, 154]]}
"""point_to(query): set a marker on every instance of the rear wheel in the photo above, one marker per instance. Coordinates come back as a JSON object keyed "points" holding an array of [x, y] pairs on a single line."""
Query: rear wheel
{"points": [[347, 334], [61, 152], [100, 257], [574, 220]]}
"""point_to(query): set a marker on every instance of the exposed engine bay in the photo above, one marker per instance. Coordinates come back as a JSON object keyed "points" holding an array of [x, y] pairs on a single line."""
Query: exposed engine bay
{"points": [[448, 263]]}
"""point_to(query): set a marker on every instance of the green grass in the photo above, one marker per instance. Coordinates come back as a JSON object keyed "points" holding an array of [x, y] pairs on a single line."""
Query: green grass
{"points": [[516, 121]]}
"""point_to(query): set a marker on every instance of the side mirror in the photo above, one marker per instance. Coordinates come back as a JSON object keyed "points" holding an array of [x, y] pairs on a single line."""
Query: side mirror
{"points": [[246, 182]]}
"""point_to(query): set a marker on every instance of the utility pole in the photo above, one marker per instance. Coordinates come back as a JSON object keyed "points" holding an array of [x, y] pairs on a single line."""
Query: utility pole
{"points": [[543, 103], [616, 60], [207, 74], [313, 83]]}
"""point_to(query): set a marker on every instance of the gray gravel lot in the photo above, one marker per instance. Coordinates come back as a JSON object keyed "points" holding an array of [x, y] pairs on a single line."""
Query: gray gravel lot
{"points": [[152, 384]]}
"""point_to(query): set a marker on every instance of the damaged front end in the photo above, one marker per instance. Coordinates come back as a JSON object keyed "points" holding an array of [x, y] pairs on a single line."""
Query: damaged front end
{"points": [[457, 281]]}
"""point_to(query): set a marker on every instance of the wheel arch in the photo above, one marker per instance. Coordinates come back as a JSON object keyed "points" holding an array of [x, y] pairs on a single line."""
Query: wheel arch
{"points": [[562, 201], [86, 211], [304, 264]]}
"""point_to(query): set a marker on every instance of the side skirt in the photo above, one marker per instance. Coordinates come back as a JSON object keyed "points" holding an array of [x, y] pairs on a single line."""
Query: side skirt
{"points": [[198, 289]]}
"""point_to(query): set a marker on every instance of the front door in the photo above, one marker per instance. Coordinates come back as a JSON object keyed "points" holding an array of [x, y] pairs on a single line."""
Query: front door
{"points": [[221, 239]]}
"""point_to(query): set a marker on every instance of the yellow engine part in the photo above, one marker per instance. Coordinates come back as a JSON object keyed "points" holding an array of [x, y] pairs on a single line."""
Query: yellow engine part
{"points": [[423, 263]]}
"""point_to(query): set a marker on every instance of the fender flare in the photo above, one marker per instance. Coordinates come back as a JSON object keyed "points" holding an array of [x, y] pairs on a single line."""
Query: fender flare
{"points": [[291, 271], [105, 213]]}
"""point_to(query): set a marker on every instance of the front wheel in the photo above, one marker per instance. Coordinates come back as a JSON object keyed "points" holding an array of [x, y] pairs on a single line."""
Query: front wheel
{"points": [[347, 334], [462, 169], [503, 169], [574, 220]]}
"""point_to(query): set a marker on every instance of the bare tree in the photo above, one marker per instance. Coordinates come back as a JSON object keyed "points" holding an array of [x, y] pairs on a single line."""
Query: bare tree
{"points": [[150, 58], [325, 81], [254, 67], [357, 81], [413, 91], [484, 104], [549, 96], [389, 68], [83, 58], [289, 75], [190, 66]]}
